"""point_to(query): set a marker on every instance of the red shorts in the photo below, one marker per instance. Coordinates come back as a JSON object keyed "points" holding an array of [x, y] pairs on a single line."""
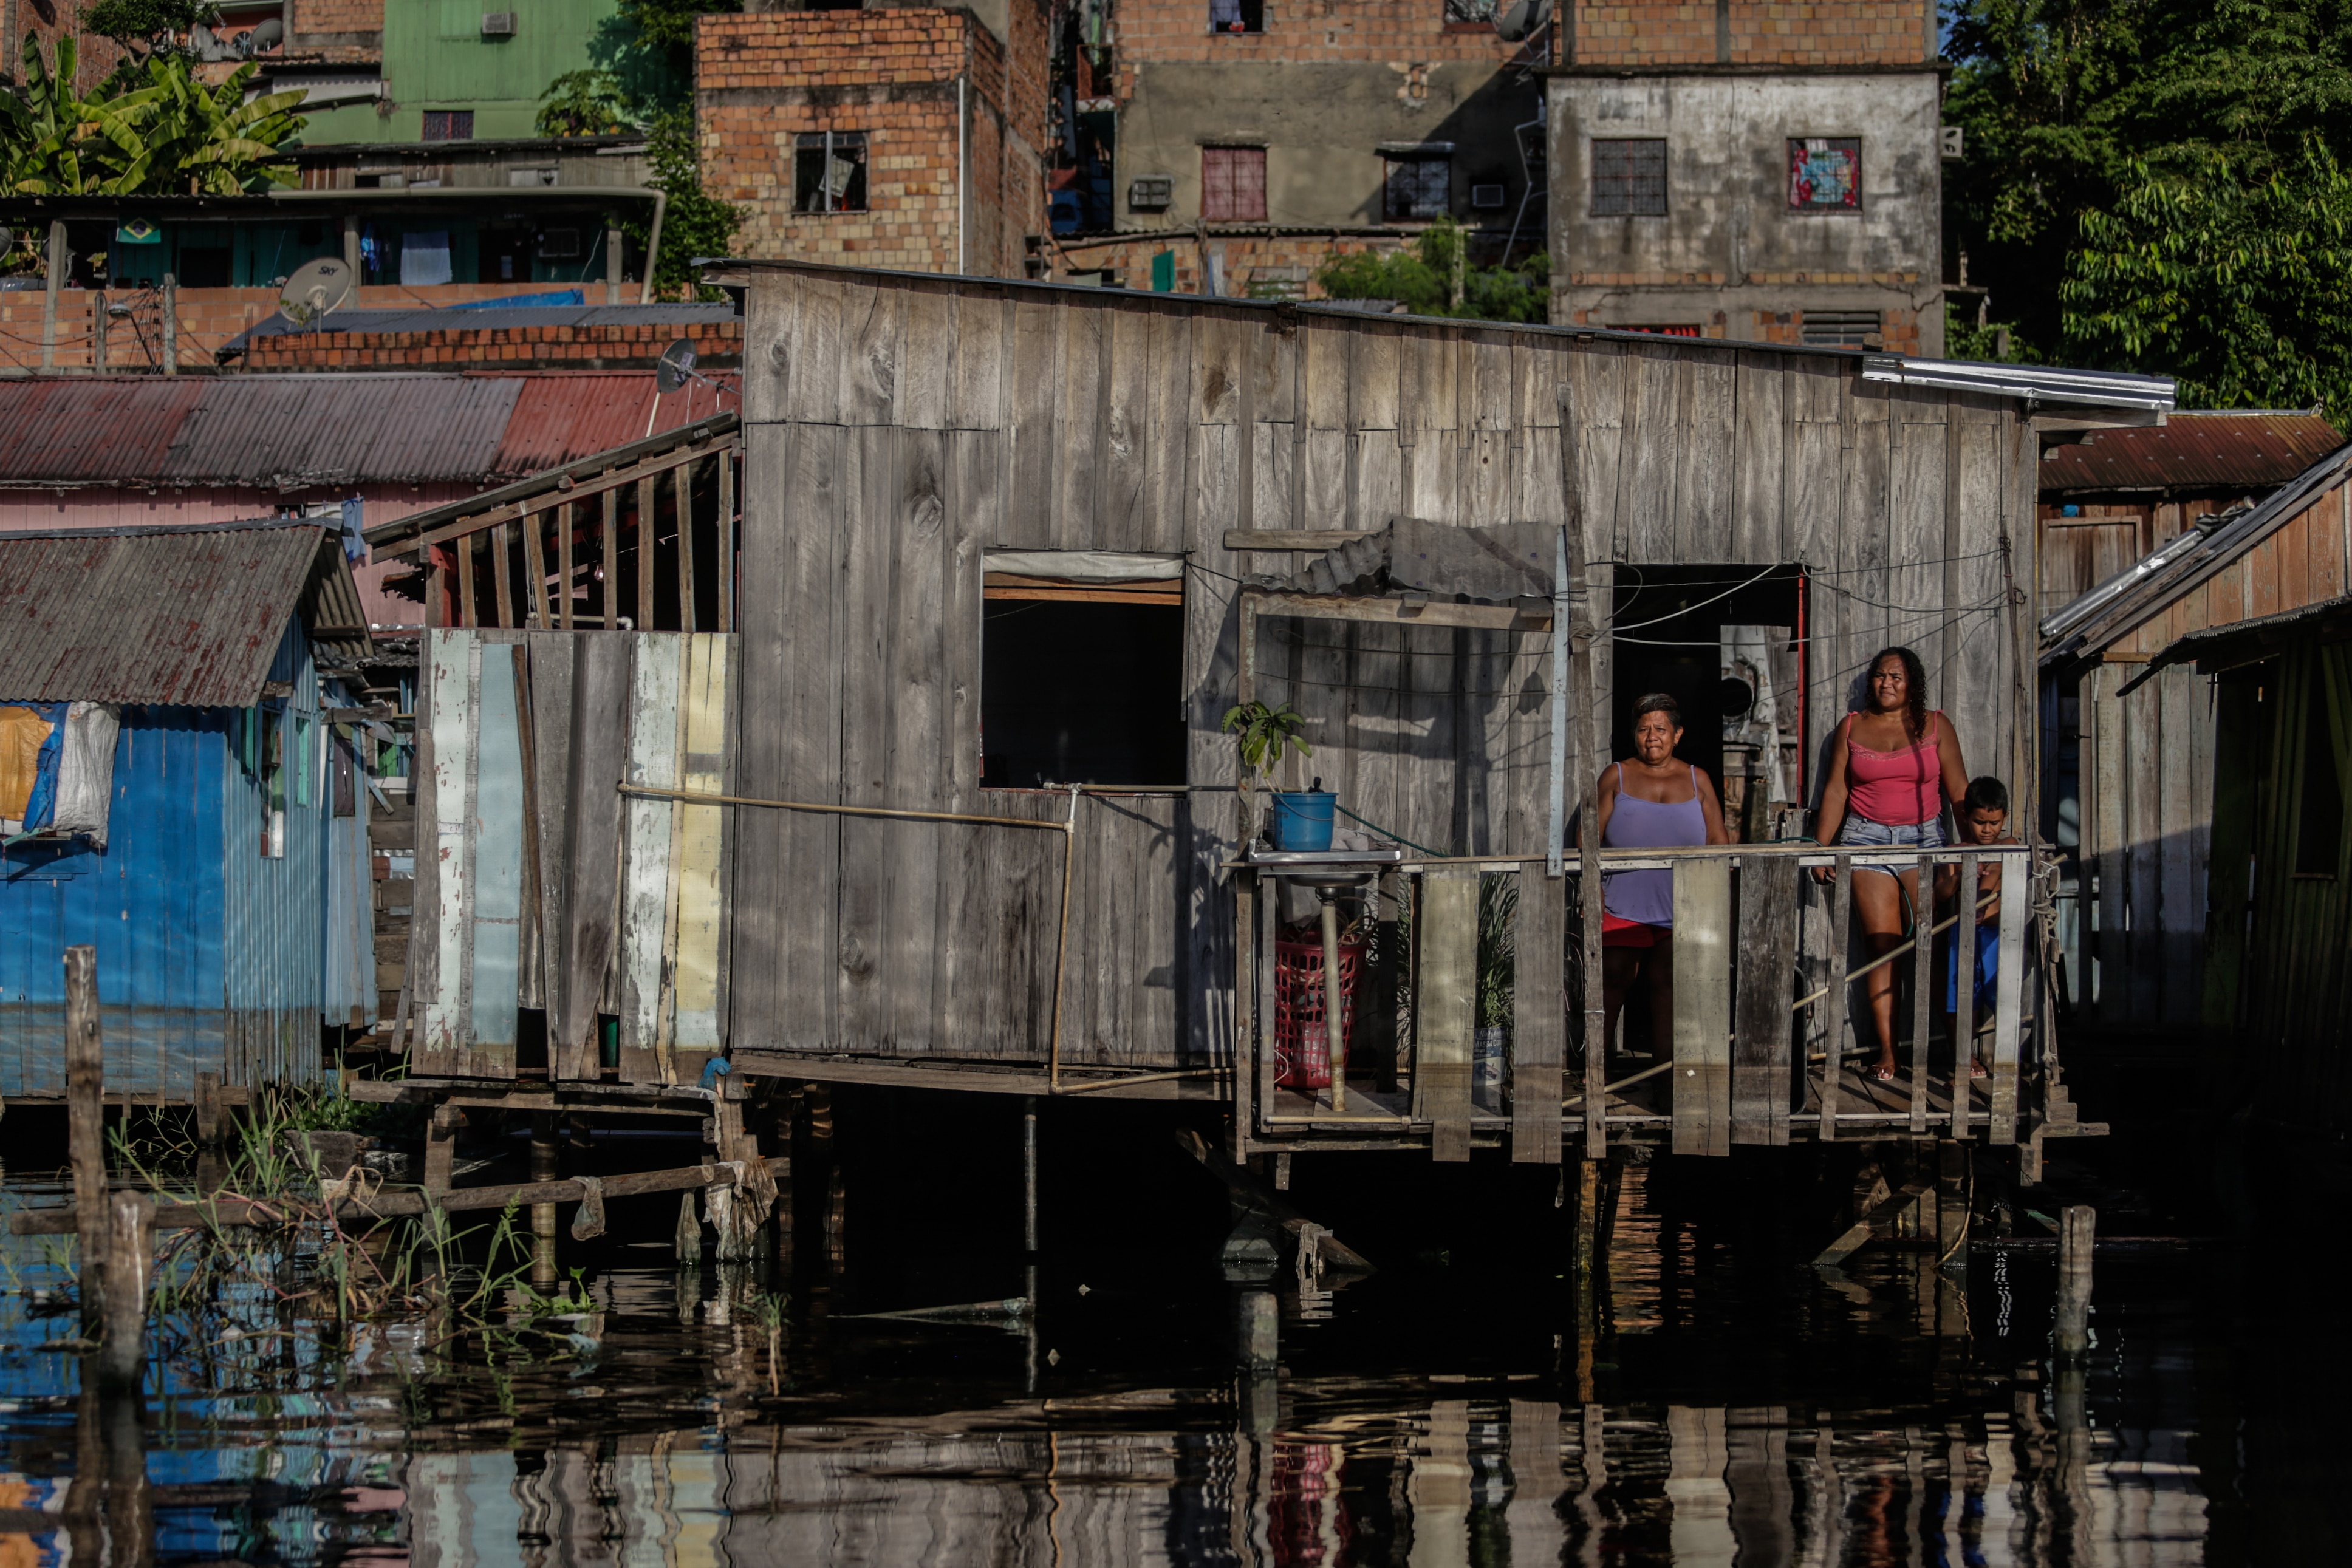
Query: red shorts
{"points": [[1618, 932]]}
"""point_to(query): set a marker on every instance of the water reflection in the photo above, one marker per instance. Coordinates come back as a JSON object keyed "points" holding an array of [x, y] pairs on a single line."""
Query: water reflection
{"points": [[1318, 1425]]}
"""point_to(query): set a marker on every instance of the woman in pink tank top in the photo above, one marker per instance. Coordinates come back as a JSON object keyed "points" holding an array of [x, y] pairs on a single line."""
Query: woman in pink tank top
{"points": [[1894, 767]]}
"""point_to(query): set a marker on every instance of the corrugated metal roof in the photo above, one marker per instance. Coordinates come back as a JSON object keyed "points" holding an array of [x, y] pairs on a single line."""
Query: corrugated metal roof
{"points": [[294, 430], [486, 317], [2096, 619], [82, 430], [310, 429], [561, 420], [184, 616], [2194, 450]]}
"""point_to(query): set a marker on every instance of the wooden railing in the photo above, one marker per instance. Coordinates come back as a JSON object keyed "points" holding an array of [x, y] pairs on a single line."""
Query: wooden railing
{"points": [[1770, 1011]]}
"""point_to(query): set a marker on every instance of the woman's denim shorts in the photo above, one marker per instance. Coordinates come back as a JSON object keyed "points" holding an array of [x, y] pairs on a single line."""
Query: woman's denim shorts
{"points": [[1862, 833]]}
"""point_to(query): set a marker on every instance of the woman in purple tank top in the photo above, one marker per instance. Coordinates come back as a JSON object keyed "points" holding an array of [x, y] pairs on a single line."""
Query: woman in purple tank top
{"points": [[1649, 801]]}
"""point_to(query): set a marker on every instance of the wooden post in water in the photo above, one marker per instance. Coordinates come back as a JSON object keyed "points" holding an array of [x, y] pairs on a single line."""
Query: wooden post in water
{"points": [[130, 1253], [208, 1109], [546, 1160], [2077, 1227], [1584, 1270], [1029, 1174], [440, 1148], [86, 1127]]}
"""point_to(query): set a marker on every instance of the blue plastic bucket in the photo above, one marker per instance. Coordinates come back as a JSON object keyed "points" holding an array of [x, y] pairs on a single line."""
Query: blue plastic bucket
{"points": [[1302, 820]]}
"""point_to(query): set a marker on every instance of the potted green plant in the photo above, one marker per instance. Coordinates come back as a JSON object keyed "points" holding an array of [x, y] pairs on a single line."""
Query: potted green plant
{"points": [[1267, 733]]}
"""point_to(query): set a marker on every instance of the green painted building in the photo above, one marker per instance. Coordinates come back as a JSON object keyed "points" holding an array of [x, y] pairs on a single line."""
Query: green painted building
{"points": [[459, 70]]}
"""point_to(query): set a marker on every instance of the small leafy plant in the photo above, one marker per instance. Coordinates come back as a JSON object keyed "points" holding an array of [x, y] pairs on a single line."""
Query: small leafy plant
{"points": [[1266, 732]]}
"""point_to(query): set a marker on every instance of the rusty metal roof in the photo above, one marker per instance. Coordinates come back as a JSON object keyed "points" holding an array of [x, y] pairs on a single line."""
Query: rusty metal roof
{"points": [[561, 419], [189, 616], [2215, 450], [310, 429]]}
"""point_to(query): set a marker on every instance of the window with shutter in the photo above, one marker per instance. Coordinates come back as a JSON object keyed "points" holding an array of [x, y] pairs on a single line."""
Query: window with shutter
{"points": [[1417, 189], [1629, 178], [1233, 185]]}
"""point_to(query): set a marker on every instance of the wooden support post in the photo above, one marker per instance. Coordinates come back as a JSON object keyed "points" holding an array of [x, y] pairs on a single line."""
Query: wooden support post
{"points": [[1952, 1203], [688, 1237], [836, 1220], [1334, 1009], [1923, 992], [1539, 1018], [608, 596], [86, 1125], [1249, 1191], [1245, 1014], [1761, 1048], [502, 571], [1836, 1000], [208, 1109], [681, 486], [567, 556], [129, 1251], [2017, 971], [534, 560], [1446, 1009], [1964, 1009], [726, 540], [1257, 1336], [2077, 1232], [645, 554], [467, 607], [1585, 1271], [1029, 1174], [1702, 961], [1377, 1028], [546, 1163], [440, 1148]]}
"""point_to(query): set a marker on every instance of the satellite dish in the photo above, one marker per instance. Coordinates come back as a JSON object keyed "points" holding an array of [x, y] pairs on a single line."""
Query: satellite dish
{"points": [[266, 36], [316, 287], [677, 365], [1521, 19]]}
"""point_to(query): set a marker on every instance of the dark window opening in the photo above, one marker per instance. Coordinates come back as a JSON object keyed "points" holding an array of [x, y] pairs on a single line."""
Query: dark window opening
{"points": [[1081, 692], [2319, 819], [829, 172], [448, 125], [1237, 16], [501, 255], [1233, 185], [204, 265], [1629, 179], [1690, 632], [1417, 189]]}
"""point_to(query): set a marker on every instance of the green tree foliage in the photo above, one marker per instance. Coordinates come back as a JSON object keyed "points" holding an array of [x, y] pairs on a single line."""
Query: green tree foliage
{"points": [[2111, 148], [1431, 277], [173, 135], [586, 103], [695, 224], [145, 29], [2242, 288], [668, 25]]}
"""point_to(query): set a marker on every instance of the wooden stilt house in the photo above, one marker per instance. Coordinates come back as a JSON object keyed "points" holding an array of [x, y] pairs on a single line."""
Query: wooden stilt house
{"points": [[1007, 555]]}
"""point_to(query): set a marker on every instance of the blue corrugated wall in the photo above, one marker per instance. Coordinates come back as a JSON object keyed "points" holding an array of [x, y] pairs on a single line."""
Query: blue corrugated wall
{"points": [[211, 955]]}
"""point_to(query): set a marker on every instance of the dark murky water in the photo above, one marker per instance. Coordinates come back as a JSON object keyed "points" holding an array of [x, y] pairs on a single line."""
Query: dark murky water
{"points": [[1734, 1408]]}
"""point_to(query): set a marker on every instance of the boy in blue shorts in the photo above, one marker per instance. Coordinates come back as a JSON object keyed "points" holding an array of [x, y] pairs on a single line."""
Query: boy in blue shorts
{"points": [[1983, 820]]}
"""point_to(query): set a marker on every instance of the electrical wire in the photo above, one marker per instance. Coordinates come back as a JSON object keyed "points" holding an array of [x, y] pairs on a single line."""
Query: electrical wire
{"points": [[1689, 609]]}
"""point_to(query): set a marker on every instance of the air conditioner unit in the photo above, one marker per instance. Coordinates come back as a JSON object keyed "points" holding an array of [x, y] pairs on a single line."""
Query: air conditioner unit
{"points": [[1150, 193], [1485, 197], [498, 24]]}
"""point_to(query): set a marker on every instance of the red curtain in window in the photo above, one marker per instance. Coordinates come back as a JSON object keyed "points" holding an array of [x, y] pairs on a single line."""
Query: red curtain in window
{"points": [[1233, 185]]}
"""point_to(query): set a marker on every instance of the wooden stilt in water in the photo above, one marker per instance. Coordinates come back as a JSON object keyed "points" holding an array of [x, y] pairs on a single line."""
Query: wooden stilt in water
{"points": [[130, 1256], [546, 1164], [689, 1234], [1585, 1271], [86, 1128], [208, 1109], [1029, 1174], [2077, 1229], [440, 1148]]}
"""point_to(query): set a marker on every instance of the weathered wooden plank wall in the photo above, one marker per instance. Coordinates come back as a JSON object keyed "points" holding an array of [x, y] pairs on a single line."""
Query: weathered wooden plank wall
{"points": [[897, 425]]}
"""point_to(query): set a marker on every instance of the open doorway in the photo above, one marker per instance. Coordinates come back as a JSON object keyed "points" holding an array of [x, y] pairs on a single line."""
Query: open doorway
{"points": [[1726, 644]]}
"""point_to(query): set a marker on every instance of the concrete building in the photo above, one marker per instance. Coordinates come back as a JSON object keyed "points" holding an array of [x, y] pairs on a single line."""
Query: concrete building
{"points": [[908, 137], [1255, 139], [1750, 170]]}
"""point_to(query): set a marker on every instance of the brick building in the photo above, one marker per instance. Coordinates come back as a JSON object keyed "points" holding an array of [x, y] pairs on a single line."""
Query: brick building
{"points": [[1761, 170], [909, 137], [1255, 139]]}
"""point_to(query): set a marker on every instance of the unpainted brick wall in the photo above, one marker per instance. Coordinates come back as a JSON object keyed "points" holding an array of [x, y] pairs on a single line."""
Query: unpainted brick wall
{"points": [[208, 318], [765, 79], [504, 348], [1276, 265], [1405, 31], [1834, 32]]}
